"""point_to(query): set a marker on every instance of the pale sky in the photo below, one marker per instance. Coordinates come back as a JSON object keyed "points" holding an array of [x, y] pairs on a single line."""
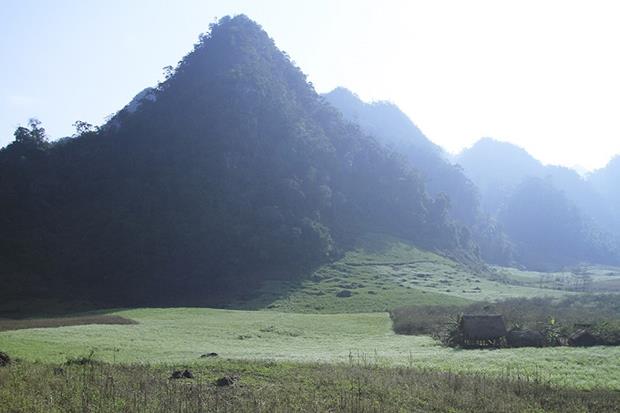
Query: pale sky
{"points": [[544, 75]]}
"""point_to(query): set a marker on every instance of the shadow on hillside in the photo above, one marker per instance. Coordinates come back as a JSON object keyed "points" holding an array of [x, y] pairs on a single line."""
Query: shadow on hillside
{"points": [[65, 321], [266, 292], [377, 244]]}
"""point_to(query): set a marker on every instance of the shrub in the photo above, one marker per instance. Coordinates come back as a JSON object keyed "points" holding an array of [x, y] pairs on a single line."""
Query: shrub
{"points": [[5, 360]]}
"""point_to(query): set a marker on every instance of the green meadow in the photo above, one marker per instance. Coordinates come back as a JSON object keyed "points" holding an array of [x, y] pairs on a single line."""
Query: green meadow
{"points": [[301, 327], [179, 336]]}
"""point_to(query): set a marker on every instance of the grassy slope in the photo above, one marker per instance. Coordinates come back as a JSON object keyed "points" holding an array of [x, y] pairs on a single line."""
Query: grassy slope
{"points": [[181, 335], [384, 273]]}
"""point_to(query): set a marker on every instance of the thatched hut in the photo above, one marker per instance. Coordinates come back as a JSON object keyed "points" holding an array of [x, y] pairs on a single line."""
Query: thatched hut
{"points": [[482, 330], [582, 338]]}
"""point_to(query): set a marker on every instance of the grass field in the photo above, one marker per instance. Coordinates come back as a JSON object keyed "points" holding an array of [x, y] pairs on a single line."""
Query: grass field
{"points": [[182, 335], [280, 387], [298, 346]]}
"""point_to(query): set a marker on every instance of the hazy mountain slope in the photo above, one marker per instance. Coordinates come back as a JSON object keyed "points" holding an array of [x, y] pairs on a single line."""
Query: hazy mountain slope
{"points": [[232, 169], [391, 127], [554, 216], [383, 120], [606, 181], [497, 168], [586, 196], [548, 229], [398, 133]]}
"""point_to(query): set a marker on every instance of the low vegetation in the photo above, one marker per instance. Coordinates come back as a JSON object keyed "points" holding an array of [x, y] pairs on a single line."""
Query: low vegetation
{"points": [[232, 386], [556, 319]]}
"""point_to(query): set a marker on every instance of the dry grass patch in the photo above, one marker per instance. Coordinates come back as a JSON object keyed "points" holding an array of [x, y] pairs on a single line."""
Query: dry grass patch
{"points": [[281, 387], [7, 324]]}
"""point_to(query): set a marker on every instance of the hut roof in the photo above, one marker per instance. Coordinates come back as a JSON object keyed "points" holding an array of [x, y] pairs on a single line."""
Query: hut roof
{"points": [[582, 338], [483, 327]]}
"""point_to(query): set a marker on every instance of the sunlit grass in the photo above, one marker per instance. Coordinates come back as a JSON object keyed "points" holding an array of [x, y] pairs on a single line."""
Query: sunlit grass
{"points": [[182, 335]]}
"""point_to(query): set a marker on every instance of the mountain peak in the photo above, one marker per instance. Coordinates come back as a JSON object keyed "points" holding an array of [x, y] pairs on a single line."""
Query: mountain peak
{"points": [[382, 119], [495, 152], [236, 65]]}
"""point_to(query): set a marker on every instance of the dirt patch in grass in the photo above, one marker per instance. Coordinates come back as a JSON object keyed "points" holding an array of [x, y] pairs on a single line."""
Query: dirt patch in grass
{"points": [[7, 324]]}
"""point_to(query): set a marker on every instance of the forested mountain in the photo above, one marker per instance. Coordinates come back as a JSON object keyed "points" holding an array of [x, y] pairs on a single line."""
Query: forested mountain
{"points": [[230, 170], [395, 131], [554, 216], [392, 128]]}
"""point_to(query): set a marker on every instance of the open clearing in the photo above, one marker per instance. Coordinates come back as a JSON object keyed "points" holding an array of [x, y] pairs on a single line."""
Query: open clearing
{"points": [[182, 335]]}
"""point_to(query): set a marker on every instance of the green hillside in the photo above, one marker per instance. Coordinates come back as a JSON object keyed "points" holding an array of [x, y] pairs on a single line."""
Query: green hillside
{"points": [[383, 273]]}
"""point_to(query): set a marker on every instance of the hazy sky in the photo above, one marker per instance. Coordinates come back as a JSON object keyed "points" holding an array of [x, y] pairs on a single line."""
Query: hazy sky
{"points": [[542, 74]]}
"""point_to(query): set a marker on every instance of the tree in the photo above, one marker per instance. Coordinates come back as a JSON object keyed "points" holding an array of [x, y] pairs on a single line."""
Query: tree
{"points": [[34, 137], [82, 127]]}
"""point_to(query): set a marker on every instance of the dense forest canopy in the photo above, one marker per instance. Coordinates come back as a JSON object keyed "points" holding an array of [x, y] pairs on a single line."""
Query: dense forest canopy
{"points": [[232, 168]]}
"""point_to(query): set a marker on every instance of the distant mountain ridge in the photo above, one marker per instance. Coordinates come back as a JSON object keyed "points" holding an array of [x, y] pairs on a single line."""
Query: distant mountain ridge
{"points": [[493, 186], [500, 166], [514, 185], [496, 167]]}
